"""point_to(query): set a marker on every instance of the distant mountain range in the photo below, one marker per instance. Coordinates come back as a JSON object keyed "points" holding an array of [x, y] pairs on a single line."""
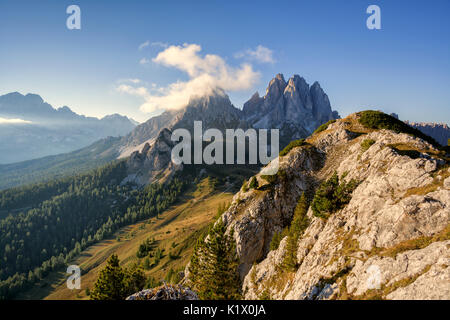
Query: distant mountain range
{"points": [[31, 128], [439, 131], [293, 106]]}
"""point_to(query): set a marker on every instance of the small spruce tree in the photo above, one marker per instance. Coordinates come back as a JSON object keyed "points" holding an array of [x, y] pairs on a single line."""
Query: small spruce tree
{"points": [[116, 283], [110, 282], [298, 225], [213, 266]]}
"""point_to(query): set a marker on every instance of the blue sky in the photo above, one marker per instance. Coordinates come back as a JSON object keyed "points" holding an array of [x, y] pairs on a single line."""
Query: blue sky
{"points": [[402, 68]]}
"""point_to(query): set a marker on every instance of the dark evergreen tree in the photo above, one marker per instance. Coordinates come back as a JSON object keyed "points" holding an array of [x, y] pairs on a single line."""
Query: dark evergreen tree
{"points": [[298, 225], [117, 283], [110, 284], [213, 267]]}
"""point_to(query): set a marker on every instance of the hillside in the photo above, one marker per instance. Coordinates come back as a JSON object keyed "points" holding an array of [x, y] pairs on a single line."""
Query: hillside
{"points": [[377, 226], [174, 230]]}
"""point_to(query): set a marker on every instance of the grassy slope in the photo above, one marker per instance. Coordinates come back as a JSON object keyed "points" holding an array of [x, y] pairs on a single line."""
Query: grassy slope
{"points": [[180, 224]]}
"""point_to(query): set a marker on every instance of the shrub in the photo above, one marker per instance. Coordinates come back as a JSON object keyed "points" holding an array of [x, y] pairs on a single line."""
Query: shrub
{"points": [[291, 145], [253, 183], [324, 126], [269, 178], [366, 144], [245, 186], [379, 120], [145, 248], [332, 196]]}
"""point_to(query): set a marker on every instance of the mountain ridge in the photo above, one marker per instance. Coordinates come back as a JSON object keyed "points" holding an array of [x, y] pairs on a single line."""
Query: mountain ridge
{"points": [[394, 219]]}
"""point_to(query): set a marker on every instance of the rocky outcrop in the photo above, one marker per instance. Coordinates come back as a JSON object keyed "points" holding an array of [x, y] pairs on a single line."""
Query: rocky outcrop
{"points": [[391, 241], [153, 162], [165, 292]]}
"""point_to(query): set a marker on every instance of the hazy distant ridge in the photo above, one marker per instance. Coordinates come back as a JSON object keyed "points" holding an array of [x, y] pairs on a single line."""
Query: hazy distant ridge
{"points": [[31, 128]]}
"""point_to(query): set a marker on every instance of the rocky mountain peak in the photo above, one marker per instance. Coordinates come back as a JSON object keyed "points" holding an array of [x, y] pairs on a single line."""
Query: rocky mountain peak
{"points": [[293, 107], [275, 88], [297, 95]]}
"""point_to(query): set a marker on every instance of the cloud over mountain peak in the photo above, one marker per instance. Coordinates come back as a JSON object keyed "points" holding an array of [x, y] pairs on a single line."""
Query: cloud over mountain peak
{"points": [[205, 72]]}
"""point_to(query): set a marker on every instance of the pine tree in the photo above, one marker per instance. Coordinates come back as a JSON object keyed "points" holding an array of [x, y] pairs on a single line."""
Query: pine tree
{"points": [[134, 280], [117, 283], [213, 267], [110, 283], [298, 225]]}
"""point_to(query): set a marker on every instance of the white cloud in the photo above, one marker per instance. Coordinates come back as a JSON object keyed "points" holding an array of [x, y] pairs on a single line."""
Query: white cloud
{"points": [[144, 61], [260, 54], [153, 44], [144, 44], [135, 81], [206, 73], [160, 44], [14, 121]]}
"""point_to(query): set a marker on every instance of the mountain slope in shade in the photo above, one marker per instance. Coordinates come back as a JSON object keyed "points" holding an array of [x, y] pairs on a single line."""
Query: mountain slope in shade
{"points": [[43, 130]]}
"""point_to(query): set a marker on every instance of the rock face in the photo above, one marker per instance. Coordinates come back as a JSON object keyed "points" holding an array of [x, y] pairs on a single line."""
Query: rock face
{"points": [[152, 162], [391, 241], [215, 111], [293, 107]]}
